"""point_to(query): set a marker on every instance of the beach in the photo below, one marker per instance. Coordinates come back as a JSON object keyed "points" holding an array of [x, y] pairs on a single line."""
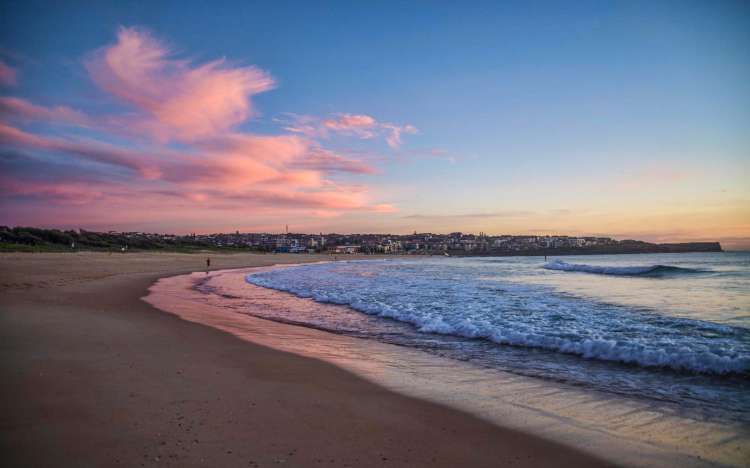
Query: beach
{"points": [[634, 415], [94, 376]]}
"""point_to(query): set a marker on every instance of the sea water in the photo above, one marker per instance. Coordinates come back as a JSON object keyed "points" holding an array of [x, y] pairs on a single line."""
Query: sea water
{"points": [[669, 328]]}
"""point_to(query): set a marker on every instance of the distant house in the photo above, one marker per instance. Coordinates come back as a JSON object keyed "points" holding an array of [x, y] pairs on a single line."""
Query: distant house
{"points": [[346, 249]]}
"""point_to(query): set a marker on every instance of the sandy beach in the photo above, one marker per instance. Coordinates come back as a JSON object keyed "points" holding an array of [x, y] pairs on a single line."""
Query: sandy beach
{"points": [[94, 376]]}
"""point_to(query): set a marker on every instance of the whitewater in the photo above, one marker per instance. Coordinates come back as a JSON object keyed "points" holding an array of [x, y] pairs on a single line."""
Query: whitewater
{"points": [[642, 270], [672, 327]]}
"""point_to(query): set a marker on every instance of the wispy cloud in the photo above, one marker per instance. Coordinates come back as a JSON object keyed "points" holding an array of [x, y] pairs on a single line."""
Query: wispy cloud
{"points": [[175, 145], [179, 100], [90, 150], [325, 160], [394, 133], [18, 109], [360, 126]]}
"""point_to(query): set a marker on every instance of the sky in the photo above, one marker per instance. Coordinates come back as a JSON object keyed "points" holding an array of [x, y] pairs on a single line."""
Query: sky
{"points": [[626, 119]]}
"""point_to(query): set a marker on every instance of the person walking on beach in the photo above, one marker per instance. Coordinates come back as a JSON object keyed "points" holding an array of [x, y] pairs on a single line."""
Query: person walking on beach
{"points": [[208, 264]]}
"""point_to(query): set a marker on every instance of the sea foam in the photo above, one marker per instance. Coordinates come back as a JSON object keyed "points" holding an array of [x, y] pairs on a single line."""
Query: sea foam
{"points": [[478, 301], [648, 270]]}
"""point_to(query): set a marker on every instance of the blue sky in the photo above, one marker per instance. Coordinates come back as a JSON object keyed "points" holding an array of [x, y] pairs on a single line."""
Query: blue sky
{"points": [[620, 118]]}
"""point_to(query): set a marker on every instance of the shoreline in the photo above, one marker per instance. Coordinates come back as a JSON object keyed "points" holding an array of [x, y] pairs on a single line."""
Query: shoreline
{"points": [[614, 427], [96, 377]]}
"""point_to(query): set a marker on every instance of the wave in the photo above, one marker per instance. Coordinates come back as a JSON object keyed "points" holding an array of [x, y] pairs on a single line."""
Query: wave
{"points": [[659, 354], [648, 270], [663, 355], [456, 299]]}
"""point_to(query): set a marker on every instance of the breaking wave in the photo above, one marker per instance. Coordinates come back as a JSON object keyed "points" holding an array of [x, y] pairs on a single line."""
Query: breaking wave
{"points": [[456, 300], [648, 270]]}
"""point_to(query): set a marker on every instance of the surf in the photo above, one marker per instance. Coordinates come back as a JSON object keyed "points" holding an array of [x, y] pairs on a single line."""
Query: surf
{"points": [[646, 270], [460, 299]]}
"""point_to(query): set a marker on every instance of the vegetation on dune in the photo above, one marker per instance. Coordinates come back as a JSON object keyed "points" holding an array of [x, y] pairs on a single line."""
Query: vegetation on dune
{"points": [[30, 239]]}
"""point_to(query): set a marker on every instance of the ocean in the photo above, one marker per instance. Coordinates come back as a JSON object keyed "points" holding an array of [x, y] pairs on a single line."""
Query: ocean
{"points": [[670, 329]]}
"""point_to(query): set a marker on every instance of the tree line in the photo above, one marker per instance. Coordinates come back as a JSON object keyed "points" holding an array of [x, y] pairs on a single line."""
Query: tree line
{"points": [[31, 238]]}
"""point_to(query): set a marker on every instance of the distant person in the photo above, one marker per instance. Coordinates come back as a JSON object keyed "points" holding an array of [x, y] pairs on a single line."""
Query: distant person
{"points": [[208, 264]]}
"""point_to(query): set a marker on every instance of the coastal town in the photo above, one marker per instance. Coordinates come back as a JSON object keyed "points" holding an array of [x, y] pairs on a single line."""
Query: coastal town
{"points": [[453, 244], [415, 243]]}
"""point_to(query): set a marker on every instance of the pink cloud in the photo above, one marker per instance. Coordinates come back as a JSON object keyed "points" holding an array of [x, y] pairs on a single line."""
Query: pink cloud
{"points": [[55, 192], [307, 125], [357, 125], [361, 125], [239, 173], [240, 160], [384, 208], [394, 134], [8, 74], [334, 199], [271, 149], [216, 170], [21, 109], [90, 150], [181, 101], [236, 162], [325, 160]]}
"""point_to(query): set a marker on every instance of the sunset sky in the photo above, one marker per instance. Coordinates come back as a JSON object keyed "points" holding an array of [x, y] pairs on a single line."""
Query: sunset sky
{"points": [[628, 119]]}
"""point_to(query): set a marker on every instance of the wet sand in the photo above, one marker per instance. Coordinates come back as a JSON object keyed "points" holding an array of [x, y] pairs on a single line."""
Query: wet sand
{"points": [[94, 376], [633, 431]]}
